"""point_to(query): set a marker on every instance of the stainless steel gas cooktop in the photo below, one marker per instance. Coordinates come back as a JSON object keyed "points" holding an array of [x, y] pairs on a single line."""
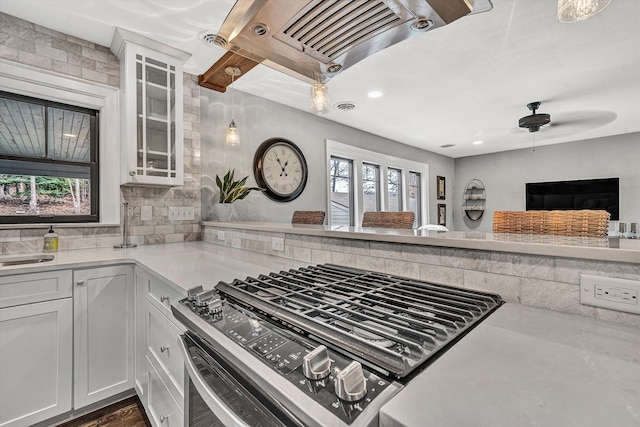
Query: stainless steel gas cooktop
{"points": [[345, 339]]}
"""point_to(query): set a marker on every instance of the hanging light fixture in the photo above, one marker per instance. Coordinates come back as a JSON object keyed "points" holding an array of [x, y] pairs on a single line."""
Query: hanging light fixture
{"points": [[319, 98], [577, 10], [233, 137]]}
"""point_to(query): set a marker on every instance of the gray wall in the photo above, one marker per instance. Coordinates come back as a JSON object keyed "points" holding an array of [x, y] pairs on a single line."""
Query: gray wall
{"points": [[505, 174], [259, 119]]}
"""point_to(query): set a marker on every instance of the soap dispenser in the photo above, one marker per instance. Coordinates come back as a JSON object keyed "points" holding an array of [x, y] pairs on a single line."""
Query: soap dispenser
{"points": [[51, 240]]}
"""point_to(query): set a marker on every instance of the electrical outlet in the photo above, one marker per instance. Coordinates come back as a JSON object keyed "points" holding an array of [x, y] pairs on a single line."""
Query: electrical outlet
{"points": [[607, 292], [277, 244], [145, 213], [220, 235], [188, 213]]}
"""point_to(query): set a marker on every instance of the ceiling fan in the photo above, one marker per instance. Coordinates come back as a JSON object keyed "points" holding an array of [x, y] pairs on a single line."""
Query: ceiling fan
{"points": [[534, 121]]}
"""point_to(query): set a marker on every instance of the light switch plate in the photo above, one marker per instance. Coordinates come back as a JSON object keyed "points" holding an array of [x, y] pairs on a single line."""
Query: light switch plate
{"points": [[145, 213], [612, 293], [181, 213]]}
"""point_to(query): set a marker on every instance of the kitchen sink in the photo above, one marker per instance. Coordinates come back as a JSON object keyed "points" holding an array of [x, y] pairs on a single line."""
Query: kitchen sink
{"points": [[25, 259]]}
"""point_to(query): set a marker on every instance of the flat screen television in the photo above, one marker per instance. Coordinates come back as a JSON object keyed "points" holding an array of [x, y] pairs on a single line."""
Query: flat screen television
{"points": [[603, 194]]}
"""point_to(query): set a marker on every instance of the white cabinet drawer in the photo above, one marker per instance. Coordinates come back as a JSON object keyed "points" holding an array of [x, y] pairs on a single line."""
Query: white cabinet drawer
{"points": [[162, 338], [163, 409], [164, 294], [35, 287]]}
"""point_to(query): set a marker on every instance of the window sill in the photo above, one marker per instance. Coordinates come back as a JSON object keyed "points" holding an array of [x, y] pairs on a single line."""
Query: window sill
{"points": [[61, 225]]}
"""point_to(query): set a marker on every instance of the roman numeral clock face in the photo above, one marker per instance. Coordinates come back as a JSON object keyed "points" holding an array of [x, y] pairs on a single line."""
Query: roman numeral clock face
{"points": [[281, 169]]}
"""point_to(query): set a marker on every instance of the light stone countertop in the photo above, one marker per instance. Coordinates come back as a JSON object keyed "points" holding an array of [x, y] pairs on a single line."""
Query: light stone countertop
{"points": [[525, 366], [183, 264], [521, 366], [601, 249]]}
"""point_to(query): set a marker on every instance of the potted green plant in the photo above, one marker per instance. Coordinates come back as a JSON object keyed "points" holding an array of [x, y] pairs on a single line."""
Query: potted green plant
{"points": [[230, 191]]}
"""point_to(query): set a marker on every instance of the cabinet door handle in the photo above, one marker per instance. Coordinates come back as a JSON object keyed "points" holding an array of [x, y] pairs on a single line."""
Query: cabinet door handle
{"points": [[132, 173], [80, 282], [164, 418], [163, 348], [164, 298]]}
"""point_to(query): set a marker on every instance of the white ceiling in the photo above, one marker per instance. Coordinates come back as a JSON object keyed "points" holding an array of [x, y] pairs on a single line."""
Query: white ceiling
{"points": [[468, 81]]}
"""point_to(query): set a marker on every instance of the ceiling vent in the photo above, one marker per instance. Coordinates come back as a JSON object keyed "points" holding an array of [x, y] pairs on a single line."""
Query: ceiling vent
{"points": [[210, 38], [345, 106]]}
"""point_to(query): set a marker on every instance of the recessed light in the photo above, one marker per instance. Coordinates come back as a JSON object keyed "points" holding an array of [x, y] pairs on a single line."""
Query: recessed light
{"points": [[478, 142], [374, 94], [69, 135]]}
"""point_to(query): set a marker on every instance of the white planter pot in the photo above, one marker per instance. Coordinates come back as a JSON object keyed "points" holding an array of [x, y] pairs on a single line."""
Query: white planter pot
{"points": [[223, 211]]}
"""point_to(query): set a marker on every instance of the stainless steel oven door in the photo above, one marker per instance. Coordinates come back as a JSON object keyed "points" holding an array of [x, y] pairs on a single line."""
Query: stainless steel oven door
{"points": [[218, 394]]}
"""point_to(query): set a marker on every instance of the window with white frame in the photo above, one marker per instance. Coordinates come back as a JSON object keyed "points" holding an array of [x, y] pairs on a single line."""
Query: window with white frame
{"points": [[415, 194], [394, 186], [377, 180], [341, 191], [370, 187], [23, 80]]}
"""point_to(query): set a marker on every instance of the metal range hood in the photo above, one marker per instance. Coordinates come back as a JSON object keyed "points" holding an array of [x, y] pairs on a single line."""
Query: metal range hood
{"points": [[313, 40]]}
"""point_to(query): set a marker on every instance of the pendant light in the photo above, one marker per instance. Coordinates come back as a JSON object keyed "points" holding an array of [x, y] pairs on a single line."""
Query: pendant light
{"points": [[577, 10], [233, 137], [319, 98]]}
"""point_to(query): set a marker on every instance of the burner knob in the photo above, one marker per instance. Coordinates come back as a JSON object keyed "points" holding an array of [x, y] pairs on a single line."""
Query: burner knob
{"points": [[316, 364], [350, 383], [215, 305], [203, 298], [191, 293]]}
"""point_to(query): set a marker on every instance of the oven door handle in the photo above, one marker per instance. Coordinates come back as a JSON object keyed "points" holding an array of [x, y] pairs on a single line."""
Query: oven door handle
{"points": [[222, 411]]}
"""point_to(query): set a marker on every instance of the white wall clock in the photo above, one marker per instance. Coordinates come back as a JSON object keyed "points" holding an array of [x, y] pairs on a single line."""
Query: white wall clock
{"points": [[281, 169]]}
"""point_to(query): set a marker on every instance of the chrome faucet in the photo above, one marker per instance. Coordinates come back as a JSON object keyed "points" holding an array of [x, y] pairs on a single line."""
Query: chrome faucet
{"points": [[125, 230]]}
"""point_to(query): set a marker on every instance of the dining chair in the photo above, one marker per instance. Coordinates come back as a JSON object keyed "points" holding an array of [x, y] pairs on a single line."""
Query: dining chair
{"points": [[308, 217], [402, 219]]}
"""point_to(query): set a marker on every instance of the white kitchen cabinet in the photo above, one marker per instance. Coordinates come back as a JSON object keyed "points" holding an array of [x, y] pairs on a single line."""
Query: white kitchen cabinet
{"points": [[151, 110], [163, 411], [141, 279], [158, 362], [166, 378], [35, 348], [103, 333], [162, 349]]}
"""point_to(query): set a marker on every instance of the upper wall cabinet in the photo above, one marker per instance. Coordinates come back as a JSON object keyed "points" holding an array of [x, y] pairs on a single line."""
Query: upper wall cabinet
{"points": [[152, 108]]}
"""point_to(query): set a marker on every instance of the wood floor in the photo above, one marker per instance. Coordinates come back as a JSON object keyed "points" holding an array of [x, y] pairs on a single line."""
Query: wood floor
{"points": [[126, 413]]}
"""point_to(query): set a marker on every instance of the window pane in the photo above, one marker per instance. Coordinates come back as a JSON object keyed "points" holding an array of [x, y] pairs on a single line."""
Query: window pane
{"points": [[52, 174], [370, 187], [22, 195], [341, 185], [415, 202], [69, 135], [22, 130], [395, 189]]}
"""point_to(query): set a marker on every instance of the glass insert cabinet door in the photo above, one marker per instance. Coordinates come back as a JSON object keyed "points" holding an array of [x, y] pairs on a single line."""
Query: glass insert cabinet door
{"points": [[153, 118]]}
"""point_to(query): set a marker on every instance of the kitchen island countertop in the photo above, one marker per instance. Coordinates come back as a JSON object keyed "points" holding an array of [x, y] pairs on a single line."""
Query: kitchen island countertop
{"points": [[525, 366], [601, 249], [521, 366]]}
